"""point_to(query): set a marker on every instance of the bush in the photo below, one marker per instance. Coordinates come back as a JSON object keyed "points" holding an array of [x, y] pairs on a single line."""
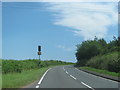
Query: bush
{"points": [[90, 48], [108, 62], [10, 66], [98, 54]]}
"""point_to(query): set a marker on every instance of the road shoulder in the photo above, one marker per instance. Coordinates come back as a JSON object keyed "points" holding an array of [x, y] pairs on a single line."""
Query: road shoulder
{"points": [[101, 75]]}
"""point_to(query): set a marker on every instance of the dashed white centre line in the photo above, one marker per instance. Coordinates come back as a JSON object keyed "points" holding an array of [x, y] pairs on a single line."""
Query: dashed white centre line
{"points": [[66, 72], [87, 85], [37, 86], [76, 69], [73, 77], [43, 76], [63, 68]]}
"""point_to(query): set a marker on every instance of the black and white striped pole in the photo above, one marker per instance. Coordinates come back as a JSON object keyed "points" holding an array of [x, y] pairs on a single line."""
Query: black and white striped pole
{"points": [[39, 51]]}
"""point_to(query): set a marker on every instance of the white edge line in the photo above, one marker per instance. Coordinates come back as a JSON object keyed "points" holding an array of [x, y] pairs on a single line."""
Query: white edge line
{"points": [[96, 76], [87, 85], [37, 86], [43, 76], [73, 77]]}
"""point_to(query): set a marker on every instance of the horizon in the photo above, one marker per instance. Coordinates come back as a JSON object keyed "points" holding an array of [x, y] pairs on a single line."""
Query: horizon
{"points": [[57, 27]]}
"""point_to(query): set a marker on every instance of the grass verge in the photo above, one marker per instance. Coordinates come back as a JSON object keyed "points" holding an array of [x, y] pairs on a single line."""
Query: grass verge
{"points": [[17, 80], [101, 71]]}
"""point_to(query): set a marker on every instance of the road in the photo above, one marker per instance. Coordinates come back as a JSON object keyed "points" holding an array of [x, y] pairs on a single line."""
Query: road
{"points": [[70, 77]]}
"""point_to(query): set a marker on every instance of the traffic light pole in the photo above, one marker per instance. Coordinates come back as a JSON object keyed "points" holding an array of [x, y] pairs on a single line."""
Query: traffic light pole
{"points": [[39, 57]]}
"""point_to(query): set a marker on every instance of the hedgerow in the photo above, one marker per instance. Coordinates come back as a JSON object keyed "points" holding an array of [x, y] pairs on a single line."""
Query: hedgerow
{"points": [[11, 66]]}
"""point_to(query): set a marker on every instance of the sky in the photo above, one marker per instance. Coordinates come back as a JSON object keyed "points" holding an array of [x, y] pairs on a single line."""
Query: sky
{"points": [[57, 26], [0, 29]]}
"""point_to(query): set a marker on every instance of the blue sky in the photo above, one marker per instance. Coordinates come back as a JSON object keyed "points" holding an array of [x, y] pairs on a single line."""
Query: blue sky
{"points": [[57, 27], [0, 30]]}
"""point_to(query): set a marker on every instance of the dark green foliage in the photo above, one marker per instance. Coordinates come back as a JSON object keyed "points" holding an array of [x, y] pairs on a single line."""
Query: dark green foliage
{"points": [[10, 66], [81, 63], [110, 62], [113, 45], [90, 48], [99, 54]]}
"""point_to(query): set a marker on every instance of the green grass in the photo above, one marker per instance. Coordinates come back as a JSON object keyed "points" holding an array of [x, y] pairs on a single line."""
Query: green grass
{"points": [[0, 80], [101, 71], [0, 74], [17, 80]]}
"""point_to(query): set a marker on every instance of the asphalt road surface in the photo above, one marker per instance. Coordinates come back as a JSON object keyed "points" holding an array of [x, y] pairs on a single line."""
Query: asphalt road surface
{"points": [[70, 77]]}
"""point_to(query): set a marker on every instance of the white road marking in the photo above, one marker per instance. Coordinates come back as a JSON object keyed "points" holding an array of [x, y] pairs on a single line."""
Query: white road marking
{"points": [[87, 85], [66, 72], [63, 68], [73, 77], [37, 86], [97, 76], [43, 76], [76, 69]]}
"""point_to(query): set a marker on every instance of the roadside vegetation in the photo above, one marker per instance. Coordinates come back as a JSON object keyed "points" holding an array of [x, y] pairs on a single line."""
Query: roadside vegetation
{"points": [[0, 79], [106, 72], [99, 54], [17, 80], [18, 66], [18, 73]]}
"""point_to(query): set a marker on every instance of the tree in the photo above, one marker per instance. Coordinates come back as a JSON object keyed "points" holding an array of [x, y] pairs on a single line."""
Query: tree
{"points": [[87, 49]]}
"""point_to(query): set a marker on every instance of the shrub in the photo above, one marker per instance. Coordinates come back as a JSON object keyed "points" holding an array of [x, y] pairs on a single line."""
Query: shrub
{"points": [[108, 62], [10, 66]]}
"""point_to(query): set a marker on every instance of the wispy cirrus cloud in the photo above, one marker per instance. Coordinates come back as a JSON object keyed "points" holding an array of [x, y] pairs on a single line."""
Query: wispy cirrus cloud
{"points": [[86, 19], [64, 48], [60, 0]]}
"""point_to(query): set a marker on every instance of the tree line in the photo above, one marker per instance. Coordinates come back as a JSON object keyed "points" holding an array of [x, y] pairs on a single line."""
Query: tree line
{"points": [[98, 53]]}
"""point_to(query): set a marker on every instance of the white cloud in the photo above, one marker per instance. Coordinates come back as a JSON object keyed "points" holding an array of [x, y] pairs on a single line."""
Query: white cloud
{"points": [[64, 48], [88, 19], [60, 0]]}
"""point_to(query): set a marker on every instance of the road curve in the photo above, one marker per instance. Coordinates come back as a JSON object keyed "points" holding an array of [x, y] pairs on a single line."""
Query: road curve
{"points": [[70, 77]]}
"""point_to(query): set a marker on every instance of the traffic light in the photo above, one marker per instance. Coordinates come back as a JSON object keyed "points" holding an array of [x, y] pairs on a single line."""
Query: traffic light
{"points": [[39, 51], [39, 48]]}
